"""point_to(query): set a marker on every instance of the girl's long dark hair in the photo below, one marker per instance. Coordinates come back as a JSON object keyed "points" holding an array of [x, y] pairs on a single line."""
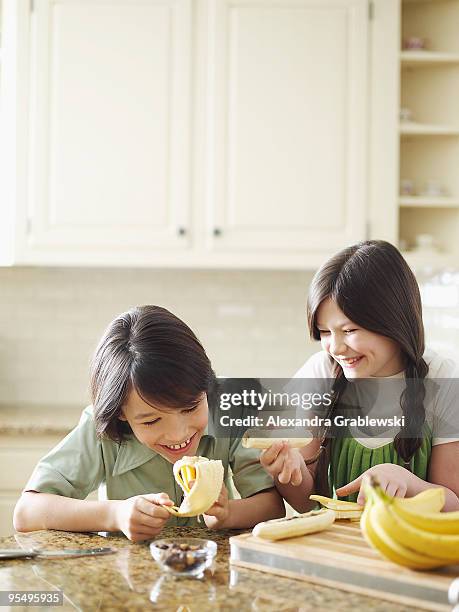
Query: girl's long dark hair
{"points": [[152, 351], [375, 288]]}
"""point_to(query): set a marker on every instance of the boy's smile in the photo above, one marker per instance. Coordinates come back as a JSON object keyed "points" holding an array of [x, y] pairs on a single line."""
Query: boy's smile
{"points": [[171, 432], [180, 448]]}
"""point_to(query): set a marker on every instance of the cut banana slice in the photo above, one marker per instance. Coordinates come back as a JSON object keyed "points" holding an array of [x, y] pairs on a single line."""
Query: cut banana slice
{"points": [[335, 504], [207, 475], [342, 509], [294, 526], [249, 441], [352, 515]]}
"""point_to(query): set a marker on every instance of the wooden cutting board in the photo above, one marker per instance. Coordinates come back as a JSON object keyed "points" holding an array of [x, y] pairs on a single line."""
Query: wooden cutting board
{"points": [[339, 557]]}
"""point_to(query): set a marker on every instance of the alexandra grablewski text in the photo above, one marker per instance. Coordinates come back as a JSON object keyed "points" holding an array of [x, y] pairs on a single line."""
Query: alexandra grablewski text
{"points": [[274, 421]]}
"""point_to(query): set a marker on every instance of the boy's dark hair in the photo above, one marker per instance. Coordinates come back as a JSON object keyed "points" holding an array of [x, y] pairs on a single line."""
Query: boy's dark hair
{"points": [[375, 288], [152, 351]]}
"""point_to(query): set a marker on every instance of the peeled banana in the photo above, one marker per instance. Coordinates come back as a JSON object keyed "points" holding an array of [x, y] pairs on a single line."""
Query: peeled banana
{"points": [[249, 441], [201, 494], [408, 535], [342, 509], [301, 524]]}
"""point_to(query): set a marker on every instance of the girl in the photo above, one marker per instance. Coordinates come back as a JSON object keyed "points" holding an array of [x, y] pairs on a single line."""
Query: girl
{"points": [[365, 308], [150, 385]]}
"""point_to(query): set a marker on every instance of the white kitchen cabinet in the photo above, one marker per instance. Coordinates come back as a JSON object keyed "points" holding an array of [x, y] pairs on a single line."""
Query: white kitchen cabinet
{"points": [[19, 454], [109, 101], [287, 122], [217, 133]]}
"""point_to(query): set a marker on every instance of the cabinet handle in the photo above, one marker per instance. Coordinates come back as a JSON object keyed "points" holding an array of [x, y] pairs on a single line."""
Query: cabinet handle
{"points": [[181, 231], [217, 231]]}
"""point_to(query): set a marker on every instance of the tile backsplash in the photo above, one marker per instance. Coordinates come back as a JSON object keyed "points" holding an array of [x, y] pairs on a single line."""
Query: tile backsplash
{"points": [[252, 323]]}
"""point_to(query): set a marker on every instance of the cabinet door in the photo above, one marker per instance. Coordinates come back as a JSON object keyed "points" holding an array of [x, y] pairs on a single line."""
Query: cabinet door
{"points": [[7, 504], [287, 126], [109, 118]]}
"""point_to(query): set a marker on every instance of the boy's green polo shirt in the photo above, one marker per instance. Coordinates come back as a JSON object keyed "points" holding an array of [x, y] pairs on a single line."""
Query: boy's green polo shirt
{"points": [[82, 462]]}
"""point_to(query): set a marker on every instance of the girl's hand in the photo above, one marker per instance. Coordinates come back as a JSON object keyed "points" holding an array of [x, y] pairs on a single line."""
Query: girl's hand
{"points": [[393, 479], [283, 463], [217, 515], [142, 517]]}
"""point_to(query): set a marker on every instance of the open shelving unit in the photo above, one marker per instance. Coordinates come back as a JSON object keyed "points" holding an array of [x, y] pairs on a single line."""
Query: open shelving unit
{"points": [[427, 58], [425, 129], [429, 141], [428, 202]]}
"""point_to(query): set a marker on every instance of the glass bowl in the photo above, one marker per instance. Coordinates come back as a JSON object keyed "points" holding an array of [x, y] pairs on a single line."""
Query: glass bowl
{"points": [[184, 556]]}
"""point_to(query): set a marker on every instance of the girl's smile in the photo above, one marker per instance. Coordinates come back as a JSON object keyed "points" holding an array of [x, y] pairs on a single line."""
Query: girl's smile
{"points": [[351, 363], [360, 352], [171, 432]]}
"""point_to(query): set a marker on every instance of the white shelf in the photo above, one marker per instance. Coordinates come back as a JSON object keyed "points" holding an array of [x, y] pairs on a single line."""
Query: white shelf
{"points": [[427, 58], [429, 143], [424, 129], [428, 202]]}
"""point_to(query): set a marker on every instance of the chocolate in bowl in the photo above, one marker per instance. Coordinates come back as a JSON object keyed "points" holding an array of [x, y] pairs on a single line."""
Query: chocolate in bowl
{"points": [[187, 557]]}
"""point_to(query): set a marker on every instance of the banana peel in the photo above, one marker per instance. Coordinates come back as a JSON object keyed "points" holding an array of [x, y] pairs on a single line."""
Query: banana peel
{"points": [[201, 480]]}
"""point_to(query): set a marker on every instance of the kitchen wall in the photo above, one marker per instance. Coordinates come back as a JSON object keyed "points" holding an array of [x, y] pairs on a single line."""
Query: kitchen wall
{"points": [[252, 323]]}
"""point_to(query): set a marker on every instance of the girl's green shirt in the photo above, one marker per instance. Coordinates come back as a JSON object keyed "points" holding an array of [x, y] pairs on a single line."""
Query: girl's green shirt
{"points": [[82, 463], [349, 459]]}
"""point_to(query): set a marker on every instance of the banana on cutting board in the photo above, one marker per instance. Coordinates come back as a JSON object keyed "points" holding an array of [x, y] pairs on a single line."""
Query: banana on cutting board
{"points": [[294, 526], [251, 441], [411, 532], [201, 481]]}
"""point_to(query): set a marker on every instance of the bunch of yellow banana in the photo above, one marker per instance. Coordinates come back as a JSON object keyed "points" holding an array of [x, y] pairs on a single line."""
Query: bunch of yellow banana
{"points": [[342, 509], [201, 480], [411, 532]]}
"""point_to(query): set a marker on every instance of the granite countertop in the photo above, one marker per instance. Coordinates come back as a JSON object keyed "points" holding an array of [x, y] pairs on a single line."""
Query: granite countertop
{"points": [[38, 420], [131, 580]]}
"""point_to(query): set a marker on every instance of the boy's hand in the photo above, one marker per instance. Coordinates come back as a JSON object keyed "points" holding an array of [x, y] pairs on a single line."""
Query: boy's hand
{"points": [[142, 517], [283, 462], [217, 515], [393, 479]]}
